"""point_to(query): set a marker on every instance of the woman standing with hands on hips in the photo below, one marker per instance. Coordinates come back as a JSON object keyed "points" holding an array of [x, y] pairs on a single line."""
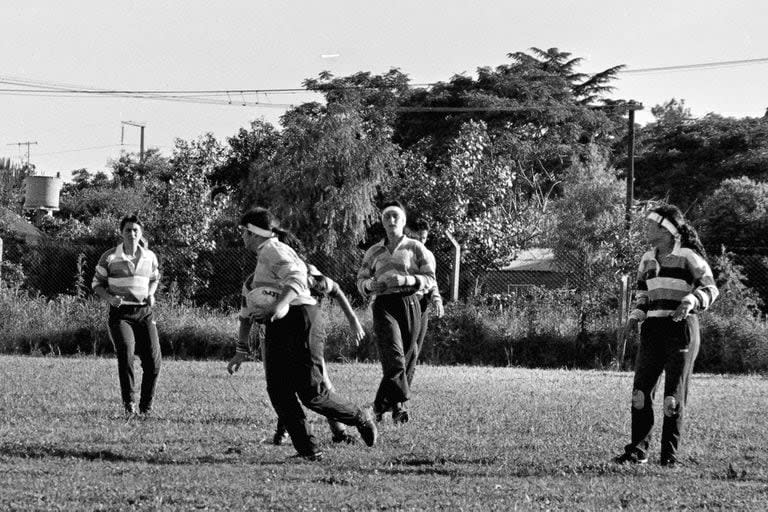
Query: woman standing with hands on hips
{"points": [[293, 348], [393, 271], [674, 283]]}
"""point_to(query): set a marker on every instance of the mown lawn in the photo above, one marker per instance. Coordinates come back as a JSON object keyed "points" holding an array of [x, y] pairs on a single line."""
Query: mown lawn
{"points": [[480, 438]]}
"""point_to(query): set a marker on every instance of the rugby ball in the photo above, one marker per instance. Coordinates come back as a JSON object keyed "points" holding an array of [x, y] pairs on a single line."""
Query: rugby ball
{"points": [[260, 301]]}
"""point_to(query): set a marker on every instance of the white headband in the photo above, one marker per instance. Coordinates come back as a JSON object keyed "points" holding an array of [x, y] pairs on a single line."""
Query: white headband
{"points": [[392, 207], [256, 230], [665, 223]]}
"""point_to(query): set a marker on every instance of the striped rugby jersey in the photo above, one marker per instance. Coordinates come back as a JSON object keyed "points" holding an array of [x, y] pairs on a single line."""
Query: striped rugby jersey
{"points": [[319, 286], [663, 284], [279, 266], [410, 258], [433, 293], [116, 272]]}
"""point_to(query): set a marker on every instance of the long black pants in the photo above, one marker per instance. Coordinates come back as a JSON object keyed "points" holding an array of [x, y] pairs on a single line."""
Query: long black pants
{"points": [[396, 326], [671, 347], [293, 362], [133, 332], [410, 362]]}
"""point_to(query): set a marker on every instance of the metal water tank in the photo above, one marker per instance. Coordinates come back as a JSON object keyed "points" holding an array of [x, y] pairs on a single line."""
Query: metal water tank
{"points": [[42, 192]]}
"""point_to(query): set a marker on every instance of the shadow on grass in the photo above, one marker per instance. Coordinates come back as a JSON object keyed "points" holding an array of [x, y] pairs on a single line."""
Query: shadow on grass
{"points": [[231, 455]]}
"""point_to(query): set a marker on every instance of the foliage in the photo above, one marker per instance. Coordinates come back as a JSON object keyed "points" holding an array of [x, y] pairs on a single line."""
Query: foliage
{"points": [[12, 183], [185, 211], [590, 238], [253, 147], [735, 214], [322, 181], [736, 299], [684, 160]]}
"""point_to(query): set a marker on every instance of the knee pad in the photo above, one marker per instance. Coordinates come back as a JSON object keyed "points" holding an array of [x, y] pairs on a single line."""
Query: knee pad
{"points": [[671, 407], [638, 399]]}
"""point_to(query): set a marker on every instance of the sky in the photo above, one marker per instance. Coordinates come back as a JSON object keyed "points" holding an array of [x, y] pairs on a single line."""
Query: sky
{"points": [[255, 44]]}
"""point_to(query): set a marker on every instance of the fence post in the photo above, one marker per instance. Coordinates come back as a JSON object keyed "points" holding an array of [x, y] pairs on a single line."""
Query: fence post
{"points": [[455, 270], [622, 317]]}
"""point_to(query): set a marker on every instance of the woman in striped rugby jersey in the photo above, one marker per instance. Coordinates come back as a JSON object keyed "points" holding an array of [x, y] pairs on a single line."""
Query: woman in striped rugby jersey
{"points": [[674, 283], [393, 271], [126, 277], [293, 347]]}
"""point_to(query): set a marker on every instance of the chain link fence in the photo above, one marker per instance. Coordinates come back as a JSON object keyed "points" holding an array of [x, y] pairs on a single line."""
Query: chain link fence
{"points": [[214, 278]]}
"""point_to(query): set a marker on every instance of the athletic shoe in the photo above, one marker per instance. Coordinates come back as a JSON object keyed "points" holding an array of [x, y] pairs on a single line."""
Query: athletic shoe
{"points": [[367, 428], [281, 436], [315, 456], [670, 462], [400, 415], [630, 458], [378, 412], [130, 410], [343, 437]]}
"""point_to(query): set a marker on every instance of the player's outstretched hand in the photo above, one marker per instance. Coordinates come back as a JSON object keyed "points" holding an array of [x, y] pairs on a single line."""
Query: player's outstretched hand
{"points": [[234, 364]]}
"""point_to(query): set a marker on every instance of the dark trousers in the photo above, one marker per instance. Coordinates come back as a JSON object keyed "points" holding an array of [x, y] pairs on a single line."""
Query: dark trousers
{"points": [[396, 326], [133, 332], [410, 362], [294, 367], [670, 347]]}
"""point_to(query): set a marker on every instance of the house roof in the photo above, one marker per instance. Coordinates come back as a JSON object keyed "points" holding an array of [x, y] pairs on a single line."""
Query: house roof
{"points": [[538, 259], [19, 226]]}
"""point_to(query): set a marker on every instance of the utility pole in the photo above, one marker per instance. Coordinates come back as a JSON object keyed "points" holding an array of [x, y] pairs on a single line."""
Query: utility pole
{"points": [[141, 144], [26, 143], [632, 106]]}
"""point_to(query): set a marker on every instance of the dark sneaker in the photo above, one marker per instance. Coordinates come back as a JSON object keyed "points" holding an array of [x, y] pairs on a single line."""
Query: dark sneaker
{"points": [[343, 438], [630, 458], [378, 412], [130, 410], [145, 412], [400, 415], [280, 436], [669, 462], [315, 456], [367, 428]]}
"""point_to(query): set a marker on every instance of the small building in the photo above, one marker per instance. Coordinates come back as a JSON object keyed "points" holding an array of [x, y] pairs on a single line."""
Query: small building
{"points": [[532, 267]]}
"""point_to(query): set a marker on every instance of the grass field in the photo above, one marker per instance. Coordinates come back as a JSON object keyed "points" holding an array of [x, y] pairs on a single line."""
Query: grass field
{"points": [[479, 439]]}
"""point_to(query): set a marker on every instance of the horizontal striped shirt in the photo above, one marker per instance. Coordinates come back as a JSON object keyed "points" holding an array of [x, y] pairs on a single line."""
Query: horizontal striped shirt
{"points": [[433, 293], [410, 258], [666, 282], [117, 273], [279, 266], [319, 286]]}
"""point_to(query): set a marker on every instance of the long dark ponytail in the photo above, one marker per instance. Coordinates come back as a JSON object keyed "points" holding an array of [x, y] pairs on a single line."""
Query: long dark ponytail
{"points": [[265, 219]]}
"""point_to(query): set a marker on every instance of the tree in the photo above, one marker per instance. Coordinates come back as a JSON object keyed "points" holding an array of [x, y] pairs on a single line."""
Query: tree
{"points": [[589, 235], [185, 210], [735, 215], [684, 160], [323, 179]]}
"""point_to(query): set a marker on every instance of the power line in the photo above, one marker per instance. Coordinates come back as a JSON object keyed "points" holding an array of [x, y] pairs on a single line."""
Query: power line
{"points": [[702, 65]]}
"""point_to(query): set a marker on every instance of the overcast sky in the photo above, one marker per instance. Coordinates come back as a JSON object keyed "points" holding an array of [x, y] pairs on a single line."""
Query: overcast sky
{"points": [[250, 44]]}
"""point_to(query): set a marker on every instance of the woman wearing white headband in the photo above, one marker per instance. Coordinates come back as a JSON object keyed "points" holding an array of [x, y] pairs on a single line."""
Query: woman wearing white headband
{"points": [[393, 271], [674, 283], [293, 350]]}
